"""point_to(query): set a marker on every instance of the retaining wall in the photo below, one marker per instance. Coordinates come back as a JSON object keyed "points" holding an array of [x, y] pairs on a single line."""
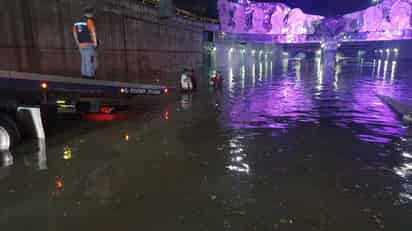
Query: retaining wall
{"points": [[135, 44]]}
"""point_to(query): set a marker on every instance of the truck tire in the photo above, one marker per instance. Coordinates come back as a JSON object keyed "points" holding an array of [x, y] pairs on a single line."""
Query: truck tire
{"points": [[9, 133]]}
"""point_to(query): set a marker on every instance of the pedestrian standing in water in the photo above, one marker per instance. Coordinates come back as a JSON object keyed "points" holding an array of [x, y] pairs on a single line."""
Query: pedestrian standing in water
{"points": [[84, 32], [185, 81], [216, 79]]}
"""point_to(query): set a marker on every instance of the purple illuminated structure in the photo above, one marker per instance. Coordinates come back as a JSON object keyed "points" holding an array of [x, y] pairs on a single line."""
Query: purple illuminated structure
{"points": [[388, 20]]}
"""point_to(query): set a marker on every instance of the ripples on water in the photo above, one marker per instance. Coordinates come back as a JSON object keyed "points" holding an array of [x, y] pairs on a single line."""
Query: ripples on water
{"points": [[276, 97]]}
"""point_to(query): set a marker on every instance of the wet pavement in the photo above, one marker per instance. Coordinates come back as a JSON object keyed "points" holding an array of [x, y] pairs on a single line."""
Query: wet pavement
{"points": [[285, 145]]}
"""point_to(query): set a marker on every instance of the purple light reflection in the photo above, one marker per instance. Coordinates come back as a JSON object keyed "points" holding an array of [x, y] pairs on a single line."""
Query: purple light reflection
{"points": [[272, 107], [282, 102], [368, 111]]}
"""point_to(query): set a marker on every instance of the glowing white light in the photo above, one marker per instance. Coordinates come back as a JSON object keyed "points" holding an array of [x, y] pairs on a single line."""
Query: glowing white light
{"points": [[243, 169], [405, 196], [230, 52], [243, 75], [230, 78], [338, 57], [385, 69], [404, 171], [238, 156], [271, 68], [338, 70], [7, 159], [253, 52], [407, 155], [238, 159], [388, 52], [395, 50], [379, 68], [319, 73], [393, 70], [318, 52]]}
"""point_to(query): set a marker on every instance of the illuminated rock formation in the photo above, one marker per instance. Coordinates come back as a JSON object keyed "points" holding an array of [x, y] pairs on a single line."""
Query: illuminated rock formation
{"points": [[390, 19]]}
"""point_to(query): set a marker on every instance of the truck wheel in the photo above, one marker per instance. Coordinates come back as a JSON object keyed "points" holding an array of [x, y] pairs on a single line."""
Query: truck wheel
{"points": [[9, 133]]}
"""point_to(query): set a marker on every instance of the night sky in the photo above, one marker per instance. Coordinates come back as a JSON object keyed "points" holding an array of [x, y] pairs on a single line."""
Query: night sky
{"points": [[320, 7]]}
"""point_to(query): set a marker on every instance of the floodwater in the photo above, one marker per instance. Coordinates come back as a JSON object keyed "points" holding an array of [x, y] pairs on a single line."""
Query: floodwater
{"points": [[286, 145]]}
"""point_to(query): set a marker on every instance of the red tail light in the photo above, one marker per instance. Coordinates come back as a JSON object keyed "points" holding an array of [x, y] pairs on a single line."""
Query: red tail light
{"points": [[106, 110], [166, 115]]}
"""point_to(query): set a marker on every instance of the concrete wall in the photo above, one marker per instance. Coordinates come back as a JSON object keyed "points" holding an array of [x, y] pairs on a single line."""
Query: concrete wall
{"points": [[135, 44]]}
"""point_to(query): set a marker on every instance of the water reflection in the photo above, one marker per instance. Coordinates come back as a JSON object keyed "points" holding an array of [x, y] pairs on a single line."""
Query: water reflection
{"points": [[319, 74], [322, 92], [378, 72], [338, 71], [238, 157], [34, 156], [388, 70], [271, 68], [285, 65], [39, 157], [393, 70], [298, 69], [67, 153], [404, 171], [243, 75], [291, 98], [186, 102], [253, 73], [385, 69], [6, 159]]}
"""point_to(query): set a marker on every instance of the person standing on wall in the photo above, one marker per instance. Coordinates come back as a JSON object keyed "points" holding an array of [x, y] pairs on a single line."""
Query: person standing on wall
{"points": [[84, 32]]}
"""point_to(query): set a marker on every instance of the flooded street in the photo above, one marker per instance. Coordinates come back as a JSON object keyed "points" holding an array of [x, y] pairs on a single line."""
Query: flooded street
{"points": [[286, 144]]}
